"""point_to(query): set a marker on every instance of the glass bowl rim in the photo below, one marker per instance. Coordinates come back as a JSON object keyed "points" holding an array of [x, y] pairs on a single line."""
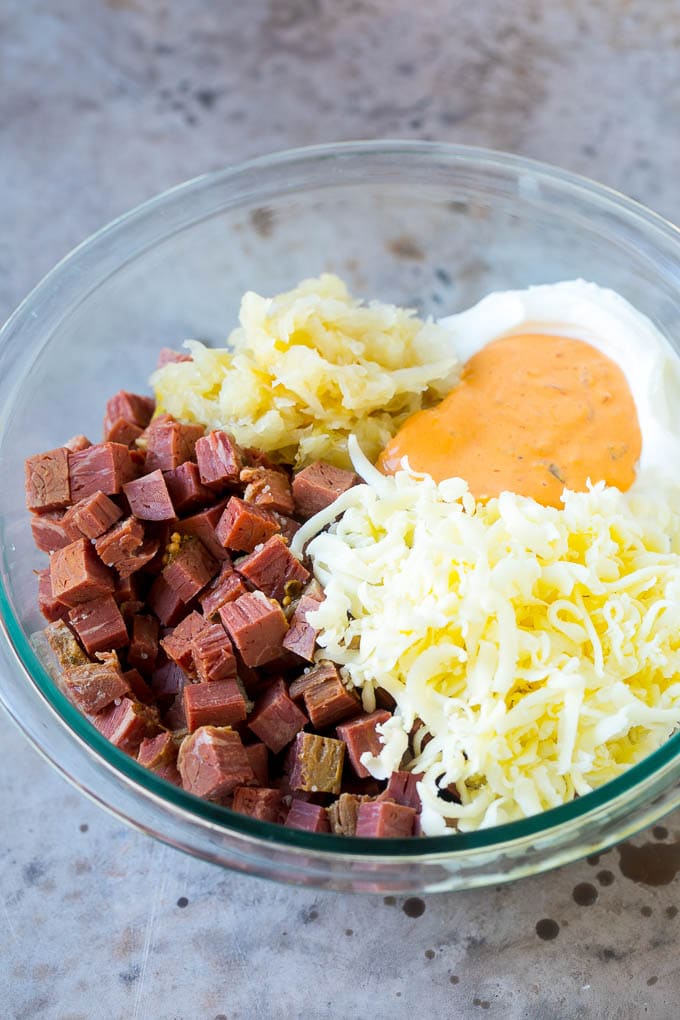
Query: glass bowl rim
{"points": [[194, 808]]}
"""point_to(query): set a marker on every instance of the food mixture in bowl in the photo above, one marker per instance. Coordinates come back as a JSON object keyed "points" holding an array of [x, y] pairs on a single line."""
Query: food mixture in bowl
{"points": [[361, 573]]}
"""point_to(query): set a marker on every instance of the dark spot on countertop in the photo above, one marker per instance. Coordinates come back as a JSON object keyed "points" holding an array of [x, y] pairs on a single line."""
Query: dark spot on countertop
{"points": [[606, 955], [263, 221], [182, 902], [34, 871], [429, 954], [221, 1016], [84, 827], [671, 912], [390, 901], [207, 97], [406, 248], [660, 832], [454, 979], [593, 860], [652, 980], [605, 877], [484, 1003], [650, 864], [547, 929], [646, 911], [349, 931], [584, 894], [413, 906], [307, 916], [444, 277], [473, 942], [129, 976]]}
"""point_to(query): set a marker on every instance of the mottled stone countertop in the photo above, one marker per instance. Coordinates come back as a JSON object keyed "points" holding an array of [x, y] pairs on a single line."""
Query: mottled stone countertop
{"points": [[104, 104]]}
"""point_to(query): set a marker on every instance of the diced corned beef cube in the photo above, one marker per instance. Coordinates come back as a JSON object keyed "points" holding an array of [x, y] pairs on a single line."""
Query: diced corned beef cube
{"points": [[124, 432], [273, 569], [328, 701], [159, 755], [257, 627], [166, 605], [149, 498], [268, 488], [402, 789], [317, 764], [276, 718], [267, 805], [78, 575], [140, 560], [128, 589], [213, 654], [143, 650], [324, 670], [105, 467], [138, 687], [170, 773], [220, 703], [121, 541], [213, 762], [307, 816], [203, 525], [48, 530], [168, 680], [342, 814], [94, 685], [319, 485], [130, 407], [258, 458], [288, 526], [242, 526], [156, 751], [167, 356], [301, 636], [137, 457], [47, 480], [185, 488], [219, 459], [226, 587], [170, 443], [127, 724], [190, 569], [174, 718], [252, 679], [51, 608], [179, 644], [66, 649], [258, 756], [99, 625], [77, 443], [384, 818], [91, 517], [361, 735]]}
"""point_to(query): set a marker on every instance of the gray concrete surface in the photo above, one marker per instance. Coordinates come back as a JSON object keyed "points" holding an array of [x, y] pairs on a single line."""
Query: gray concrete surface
{"points": [[103, 104]]}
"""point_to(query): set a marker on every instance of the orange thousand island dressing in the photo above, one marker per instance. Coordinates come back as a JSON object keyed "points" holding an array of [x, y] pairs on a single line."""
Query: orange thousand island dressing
{"points": [[531, 414]]}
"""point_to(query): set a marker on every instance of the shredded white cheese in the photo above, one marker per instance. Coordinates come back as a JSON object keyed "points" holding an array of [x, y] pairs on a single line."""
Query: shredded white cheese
{"points": [[539, 649]]}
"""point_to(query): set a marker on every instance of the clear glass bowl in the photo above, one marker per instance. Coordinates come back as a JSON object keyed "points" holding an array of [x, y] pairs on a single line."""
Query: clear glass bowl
{"points": [[428, 225]]}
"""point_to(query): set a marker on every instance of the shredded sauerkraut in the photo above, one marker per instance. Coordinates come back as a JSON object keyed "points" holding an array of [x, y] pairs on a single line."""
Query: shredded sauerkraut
{"points": [[307, 368], [535, 650]]}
